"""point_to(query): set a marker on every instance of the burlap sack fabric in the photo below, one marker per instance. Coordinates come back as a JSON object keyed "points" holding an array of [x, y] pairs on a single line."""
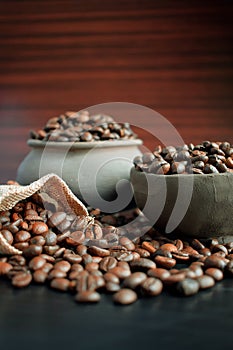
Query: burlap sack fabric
{"points": [[53, 186]]}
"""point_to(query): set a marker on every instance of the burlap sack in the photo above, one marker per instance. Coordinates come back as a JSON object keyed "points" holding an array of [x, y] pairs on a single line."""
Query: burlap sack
{"points": [[53, 186]]}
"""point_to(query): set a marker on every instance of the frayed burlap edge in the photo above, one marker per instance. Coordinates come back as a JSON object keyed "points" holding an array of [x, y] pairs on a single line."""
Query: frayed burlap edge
{"points": [[51, 184]]}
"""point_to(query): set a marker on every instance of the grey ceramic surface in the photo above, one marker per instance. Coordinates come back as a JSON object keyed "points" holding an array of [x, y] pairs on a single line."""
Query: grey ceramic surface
{"points": [[81, 165], [210, 212]]}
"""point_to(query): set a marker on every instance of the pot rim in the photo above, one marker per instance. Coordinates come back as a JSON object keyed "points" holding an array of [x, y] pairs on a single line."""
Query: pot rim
{"points": [[84, 145], [173, 176]]}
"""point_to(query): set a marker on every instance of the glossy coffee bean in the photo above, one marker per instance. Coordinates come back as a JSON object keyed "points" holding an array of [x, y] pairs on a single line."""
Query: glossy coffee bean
{"points": [[88, 297], [217, 274], [36, 263], [39, 276], [151, 286], [158, 273], [164, 262], [32, 250], [187, 287], [5, 268], [21, 279], [61, 284], [125, 296], [108, 263], [206, 281], [142, 264], [63, 266], [134, 280], [39, 228]]}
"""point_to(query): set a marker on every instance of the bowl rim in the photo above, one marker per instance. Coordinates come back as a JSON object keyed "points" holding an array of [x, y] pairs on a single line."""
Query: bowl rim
{"points": [[84, 145], [173, 176]]}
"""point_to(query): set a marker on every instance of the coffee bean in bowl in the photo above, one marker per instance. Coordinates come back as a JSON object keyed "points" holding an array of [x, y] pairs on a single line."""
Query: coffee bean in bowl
{"points": [[84, 150], [187, 190]]}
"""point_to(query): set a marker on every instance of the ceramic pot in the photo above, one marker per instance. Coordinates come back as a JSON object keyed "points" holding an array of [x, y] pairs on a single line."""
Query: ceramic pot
{"points": [[205, 203], [84, 166]]}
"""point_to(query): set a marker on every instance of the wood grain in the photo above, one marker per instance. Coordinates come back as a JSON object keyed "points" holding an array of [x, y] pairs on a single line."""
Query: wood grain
{"points": [[172, 56]]}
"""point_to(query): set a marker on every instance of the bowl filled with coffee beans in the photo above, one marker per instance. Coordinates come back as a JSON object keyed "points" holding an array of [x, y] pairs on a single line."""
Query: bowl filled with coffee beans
{"points": [[187, 190], [91, 153]]}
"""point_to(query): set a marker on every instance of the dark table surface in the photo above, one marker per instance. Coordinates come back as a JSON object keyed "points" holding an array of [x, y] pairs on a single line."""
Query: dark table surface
{"points": [[175, 57]]}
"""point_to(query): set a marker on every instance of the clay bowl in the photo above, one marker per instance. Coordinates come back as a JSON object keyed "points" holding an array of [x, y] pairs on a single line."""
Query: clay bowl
{"points": [[82, 165], [204, 203]]}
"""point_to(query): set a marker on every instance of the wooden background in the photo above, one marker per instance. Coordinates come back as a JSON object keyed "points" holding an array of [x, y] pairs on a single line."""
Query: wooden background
{"points": [[173, 56]]}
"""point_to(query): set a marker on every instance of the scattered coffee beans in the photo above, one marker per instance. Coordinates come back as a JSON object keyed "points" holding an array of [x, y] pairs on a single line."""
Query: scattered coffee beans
{"points": [[70, 255]]}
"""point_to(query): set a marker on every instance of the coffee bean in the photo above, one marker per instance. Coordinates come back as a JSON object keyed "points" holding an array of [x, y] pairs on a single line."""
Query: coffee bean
{"points": [[75, 238], [98, 251], [148, 246], [87, 297], [21, 279], [39, 228], [62, 266], [142, 252], [56, 219], [175, 278], [50, 239], [38, 240], [206, 281], [151, 286], [108, 263], [165, 262], [61, 284], [81, 249], [112, 287], [111, 278], [120, 272], [135, 280], [36, 263], [8, 236], [127, 243], [39, 276], [32, 250], [125, 296], [142, 264], [158, 273], [169, 247], [73, 258], [22, 236], [215, 261], [5, 268], [187, 287]]}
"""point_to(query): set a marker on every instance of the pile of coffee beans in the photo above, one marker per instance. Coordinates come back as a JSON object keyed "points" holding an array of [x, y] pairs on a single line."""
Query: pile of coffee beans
{"points": [[70, 255], [205, 158], [83, 127]]}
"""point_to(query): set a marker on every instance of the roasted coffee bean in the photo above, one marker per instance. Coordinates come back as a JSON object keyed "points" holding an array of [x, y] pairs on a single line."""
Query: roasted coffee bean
{"points": [[112, 287], [39, 228], [151, 286], [142, 264], [215, 261], [94, 232], [21, 246], [187, 287], [56, 273], [5, 268], [111, 277], [169, 247], [142, 252], [98, 251], [108, 263], [120, 272], [163, 252], [39, 276], [125, 296], [91, 266], [32, 250], [56, 219], [75, 238], [148, 246], [127, 243], [174, 278], [124, 256], [21, 279], [86, 258], [17, 260], [205, 281], [36, 263], [158, 273], [50, 249], [8, 236], [50, 239], [72, 258], [61, 284], [22, 236], [165, 262], [87, 297], [62, 266], [196, 269], [134, 280], [81, 250], [214, 273], [38, 240]]}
